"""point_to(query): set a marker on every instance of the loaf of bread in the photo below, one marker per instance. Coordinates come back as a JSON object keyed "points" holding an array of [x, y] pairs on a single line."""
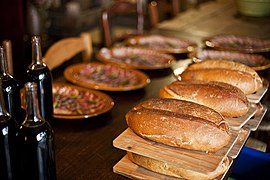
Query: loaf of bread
{"points": [[175, 171], [179, 123], [234, 73], [226, 99]]}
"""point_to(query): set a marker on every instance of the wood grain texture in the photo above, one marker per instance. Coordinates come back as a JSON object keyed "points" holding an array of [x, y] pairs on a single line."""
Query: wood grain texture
{"points": [[241, 140], [255, 121], [127, 168], [190, 159]]}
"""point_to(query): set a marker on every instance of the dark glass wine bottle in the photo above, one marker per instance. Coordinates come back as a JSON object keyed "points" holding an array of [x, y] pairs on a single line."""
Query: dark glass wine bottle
{"points": [[36, 141], [8, 143], [10, 89], [39, 72]]}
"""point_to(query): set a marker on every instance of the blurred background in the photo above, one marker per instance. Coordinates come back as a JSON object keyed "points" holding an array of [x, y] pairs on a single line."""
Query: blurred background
{"points": [[52, 20]]}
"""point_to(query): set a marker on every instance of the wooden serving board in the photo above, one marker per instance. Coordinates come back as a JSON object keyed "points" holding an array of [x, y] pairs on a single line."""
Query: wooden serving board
{"points": [[239, 122], [128, 169], [257, 96], [242, 137], [189, 159], [254, 122]]}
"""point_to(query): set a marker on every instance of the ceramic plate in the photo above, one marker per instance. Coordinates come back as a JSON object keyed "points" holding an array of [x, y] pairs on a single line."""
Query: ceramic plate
{"points": [[106, 77], [163, 43], [238, 43], [136, 58], [73, 102], [255, 61]]}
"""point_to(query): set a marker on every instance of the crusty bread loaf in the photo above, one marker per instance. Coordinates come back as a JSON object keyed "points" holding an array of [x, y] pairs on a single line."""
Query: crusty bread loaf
{"points": [[179, 123], [212, 64], [183, 107], [242, 80], [234, 73], [226, 99], [175, 171]]}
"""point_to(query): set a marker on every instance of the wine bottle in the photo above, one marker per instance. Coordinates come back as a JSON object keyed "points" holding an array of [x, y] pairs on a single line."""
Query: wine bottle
{"points": [[39, 72], [36, 141], [8, 143], [10, 89]]}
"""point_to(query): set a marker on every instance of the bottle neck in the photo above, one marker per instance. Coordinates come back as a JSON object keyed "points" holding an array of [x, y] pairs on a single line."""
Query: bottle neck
{"points": [[32, 104], [36, 50], [3, 63]]}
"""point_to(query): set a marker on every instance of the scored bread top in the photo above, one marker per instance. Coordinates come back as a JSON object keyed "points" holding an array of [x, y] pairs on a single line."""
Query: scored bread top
{"points": [[183, 107], [172, 122]]}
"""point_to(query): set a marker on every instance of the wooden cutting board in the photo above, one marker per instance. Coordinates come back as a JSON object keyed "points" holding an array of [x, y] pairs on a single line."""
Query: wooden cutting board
{"points": [[128, 169], [255, 121], [240, 142], [257, 96], [239, 122], [190, 159]]}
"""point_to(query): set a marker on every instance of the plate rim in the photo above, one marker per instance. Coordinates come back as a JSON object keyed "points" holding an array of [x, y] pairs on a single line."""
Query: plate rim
{"points": [[101, 57], [264, 66], [193, 45], [207, 41], [108, 106], [110, 103], [68, 75]]}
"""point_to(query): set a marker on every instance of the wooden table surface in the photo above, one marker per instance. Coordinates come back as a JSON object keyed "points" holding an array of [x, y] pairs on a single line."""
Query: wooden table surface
{"points": [[216, 17], [84, 147]]}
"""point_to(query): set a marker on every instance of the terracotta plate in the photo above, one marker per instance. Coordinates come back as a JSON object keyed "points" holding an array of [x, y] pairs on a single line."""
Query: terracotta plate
{"points": [[238, 43], [106, 77], [137, 58], [73, 102], [163, 43]]}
